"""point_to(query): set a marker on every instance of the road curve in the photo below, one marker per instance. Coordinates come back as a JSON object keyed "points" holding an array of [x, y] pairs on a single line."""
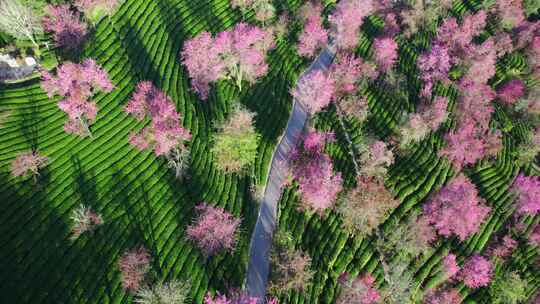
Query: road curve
{"points": [[261, 238]]}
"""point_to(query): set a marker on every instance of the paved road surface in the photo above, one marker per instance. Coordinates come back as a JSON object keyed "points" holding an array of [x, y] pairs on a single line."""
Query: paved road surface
{"points": [[261, 239]]}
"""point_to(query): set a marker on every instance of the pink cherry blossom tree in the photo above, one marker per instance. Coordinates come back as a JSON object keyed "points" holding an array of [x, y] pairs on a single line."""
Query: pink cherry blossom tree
{"points": [[28, 162], [376, 159], [68, 30], [347, 72], [350, 74], [77, 83], [510, 12], [434, 66], [134, 264], [313, 170], [456, 209], [314, 90], [346, 20], [165, 135], [366, 206], [358, 290], [458, 37], [511, 91], [429, 118], [84, 220], [203, 61], [527, 190], [476, 272], [480, 62], [314, 37], [215, 229], [238, 54], [385, 52], [472, 139]]}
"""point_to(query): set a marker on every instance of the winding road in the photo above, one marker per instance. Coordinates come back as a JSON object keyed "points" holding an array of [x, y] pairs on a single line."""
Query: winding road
{"points": [[261, 239]]}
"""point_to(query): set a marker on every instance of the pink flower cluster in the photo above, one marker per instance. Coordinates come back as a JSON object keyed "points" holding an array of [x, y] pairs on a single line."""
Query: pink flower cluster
{"points": [[165, 132], [346, 20], [450, 265], [77, 83], [385, 51], [314, 36], [359, 290], [68, 30], [238, 54], [458, 37], [314, 90], [448, 296], [527, 189], [28, 162], [477, 272], [134, 265], [511, 91], [214, 230], [313, 170], [434, 66], [456, 209]]}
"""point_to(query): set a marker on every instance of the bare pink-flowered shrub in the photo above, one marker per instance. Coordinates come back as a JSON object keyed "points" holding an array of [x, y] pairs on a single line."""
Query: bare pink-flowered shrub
{"points": [[215, 229], [84, 219], [77, 83], [456, 209], [134, 264], [28, 162]]}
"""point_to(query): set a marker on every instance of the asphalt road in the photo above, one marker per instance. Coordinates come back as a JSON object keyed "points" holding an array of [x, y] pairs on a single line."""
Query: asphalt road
{"points": [[261, 239]]}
